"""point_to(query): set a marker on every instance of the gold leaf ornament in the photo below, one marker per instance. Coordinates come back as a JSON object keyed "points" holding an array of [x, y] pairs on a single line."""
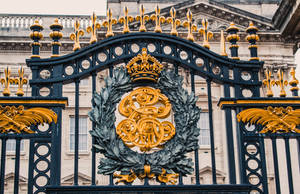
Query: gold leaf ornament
{"points": [[93, 28], [108, 23], [158, 20], [190, 26], [142, 18], [278, 119], [206, 33], [173, 21], [75, 36], [125, 20], [17, 119]]}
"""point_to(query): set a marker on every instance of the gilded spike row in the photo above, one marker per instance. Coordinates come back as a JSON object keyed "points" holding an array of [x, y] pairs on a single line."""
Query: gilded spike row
{"points": [[268, 82]]}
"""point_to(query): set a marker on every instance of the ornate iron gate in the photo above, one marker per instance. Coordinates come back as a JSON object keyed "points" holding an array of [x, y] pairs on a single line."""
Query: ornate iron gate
{"points": [[236, 78]]}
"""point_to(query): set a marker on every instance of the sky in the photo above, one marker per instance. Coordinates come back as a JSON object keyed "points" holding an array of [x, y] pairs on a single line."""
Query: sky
{"points": [[53, 7]]}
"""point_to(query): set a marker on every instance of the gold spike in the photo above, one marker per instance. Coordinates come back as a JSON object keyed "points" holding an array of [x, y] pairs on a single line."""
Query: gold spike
{"points": [[108, 23], [294, 82], [20, 81], [222, 44], [75, 36], [125, 20], [142, 18], [190, 26], [281, 83], [158, 20], [93, 28], [206, 34], [173, 21], [6, 81], [268, 82]]}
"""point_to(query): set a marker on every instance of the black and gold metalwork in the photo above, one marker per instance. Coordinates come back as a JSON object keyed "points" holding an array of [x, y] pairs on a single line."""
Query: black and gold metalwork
{"points": [[108, 23], [268, 82], [278, 119], [18, 120], [294, 83], [252, 38], [173, 21], [206, 34], [125, 20], [281, 82], [144, 66], [93, 28], [142, 18], [142, 127], [36, 35], [56, 35], [233, 38], [6, 81], [190, 26], [158, 20], [75, 36], [20, 81]]}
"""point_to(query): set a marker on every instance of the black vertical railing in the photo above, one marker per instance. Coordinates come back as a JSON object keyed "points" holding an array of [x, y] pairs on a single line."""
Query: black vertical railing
{"points": [[111, 73], [30, 168], [76, 132], [211, 132], [289, 164], [196, 151], [275, 161], [93, 138], [3, 161], [17, 166]]}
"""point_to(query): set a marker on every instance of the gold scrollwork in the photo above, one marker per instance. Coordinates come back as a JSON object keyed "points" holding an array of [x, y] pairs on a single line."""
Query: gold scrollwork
{"points": [[158, 20], [281, 82], [93, 28], [278, 119], [163, 177], [190, 26], [6, 81], [19, 120], [75, 36], [141, 128], [206, 33], [173, 21], [142, 18]]}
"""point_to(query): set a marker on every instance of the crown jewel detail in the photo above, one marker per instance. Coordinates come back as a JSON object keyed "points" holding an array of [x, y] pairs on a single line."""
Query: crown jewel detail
{"points": [[144, 67]]}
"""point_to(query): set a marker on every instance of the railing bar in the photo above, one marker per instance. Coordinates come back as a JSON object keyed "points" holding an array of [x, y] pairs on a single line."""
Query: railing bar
{"points": [[289, 166], [76, 132], [17, 166], [275, 160], [196, 151], [2, 171], [211, 133], [263, 165], [111, 72], [93, 138], [30, 167], [298, 142]]}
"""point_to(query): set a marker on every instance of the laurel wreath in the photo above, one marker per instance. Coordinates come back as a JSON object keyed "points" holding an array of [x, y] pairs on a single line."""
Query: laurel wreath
{"points": [[118, 157]]}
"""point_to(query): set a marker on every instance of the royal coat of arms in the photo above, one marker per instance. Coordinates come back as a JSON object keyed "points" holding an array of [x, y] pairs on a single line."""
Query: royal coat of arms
{"points": [[145, 143]]}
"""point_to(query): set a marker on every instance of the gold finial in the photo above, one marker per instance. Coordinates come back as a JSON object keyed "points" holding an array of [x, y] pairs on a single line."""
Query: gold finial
{"points": [[20, 81], [93, 28], [108, 23], [6, 81], [75, 36], [294, 82], [158, 19], [222, 44], [190, 26], [143, 18], [125, 20], [173, 21], [207, 34], [268, 82], [281, 83]]}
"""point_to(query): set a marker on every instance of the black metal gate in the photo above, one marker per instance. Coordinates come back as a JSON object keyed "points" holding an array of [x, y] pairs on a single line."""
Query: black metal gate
{"points": [[247, 168]]}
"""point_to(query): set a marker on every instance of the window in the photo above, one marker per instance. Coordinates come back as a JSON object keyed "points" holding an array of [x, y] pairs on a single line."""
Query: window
{"points": [[203, 124], [11, 145], [82, 131]]}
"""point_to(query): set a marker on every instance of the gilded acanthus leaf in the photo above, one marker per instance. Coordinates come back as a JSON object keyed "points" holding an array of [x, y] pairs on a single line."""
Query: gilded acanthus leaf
{"points": [[19, 120], [273, 120]]}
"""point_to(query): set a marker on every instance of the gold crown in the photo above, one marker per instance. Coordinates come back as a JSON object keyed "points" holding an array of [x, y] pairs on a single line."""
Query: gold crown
{"points": [[144, 66]]}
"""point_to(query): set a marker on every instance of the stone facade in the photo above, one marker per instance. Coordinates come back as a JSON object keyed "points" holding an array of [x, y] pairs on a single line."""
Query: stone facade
{"points": [[276, 50]]}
